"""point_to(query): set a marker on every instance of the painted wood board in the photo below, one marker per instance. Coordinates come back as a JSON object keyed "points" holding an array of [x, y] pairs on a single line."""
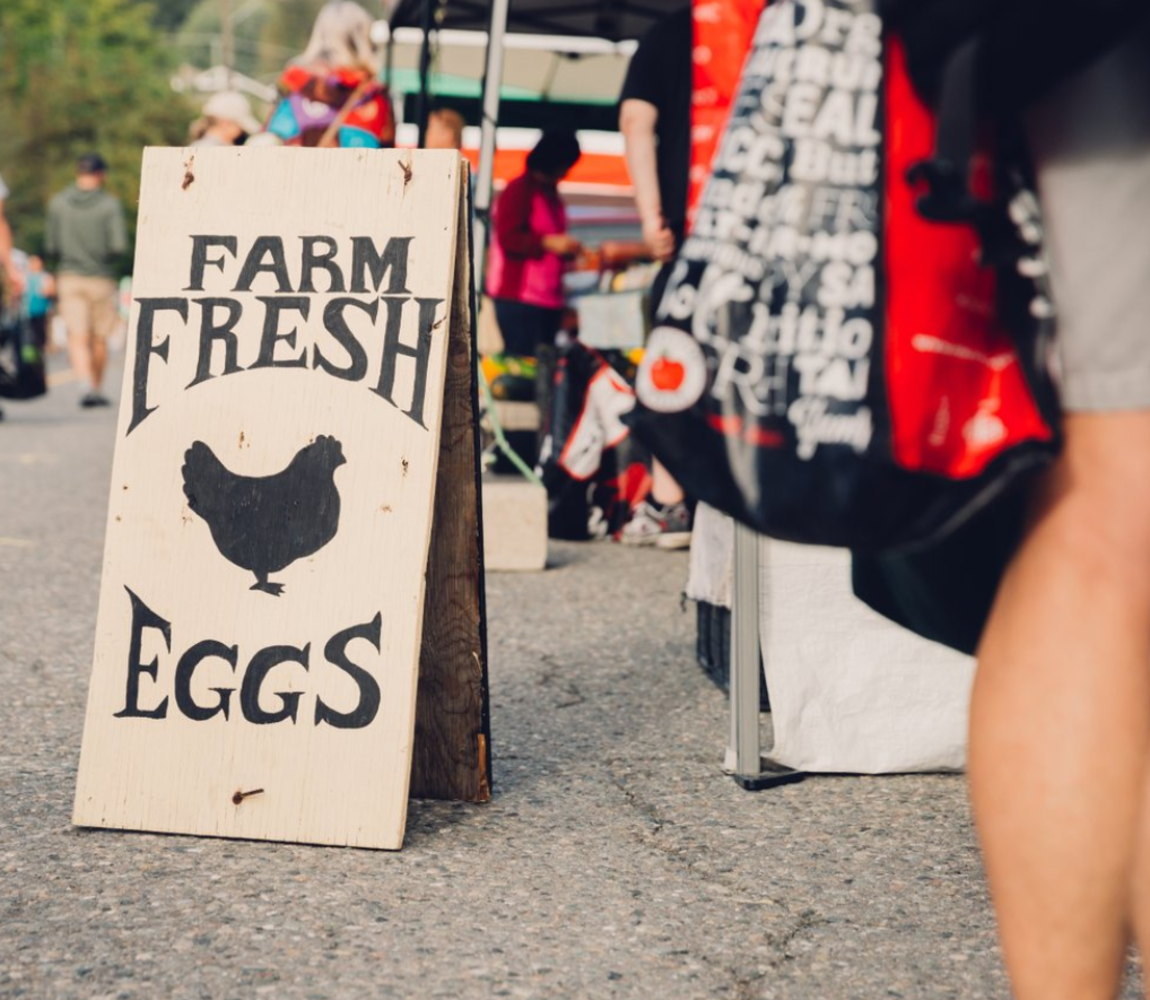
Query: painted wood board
{"points": [[452, 758], [271, 503]]}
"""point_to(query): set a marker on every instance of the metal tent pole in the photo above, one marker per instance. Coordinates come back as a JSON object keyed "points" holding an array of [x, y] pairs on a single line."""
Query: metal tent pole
{"points": [[492, 82], [744, 757], [744, 754], [423, 108], [389, 63], [228, 41], [482, 196]]}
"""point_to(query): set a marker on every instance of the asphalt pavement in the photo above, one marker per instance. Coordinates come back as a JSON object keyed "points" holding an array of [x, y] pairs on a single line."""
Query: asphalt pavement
{"points": [[615, 860]]}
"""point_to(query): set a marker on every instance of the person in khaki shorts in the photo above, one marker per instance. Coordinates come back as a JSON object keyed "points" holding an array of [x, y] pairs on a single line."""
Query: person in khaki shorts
{"points": [[86, 234]]}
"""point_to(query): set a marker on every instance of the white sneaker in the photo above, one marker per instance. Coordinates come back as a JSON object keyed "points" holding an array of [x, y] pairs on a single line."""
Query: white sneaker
{"points": [[666, 527]]}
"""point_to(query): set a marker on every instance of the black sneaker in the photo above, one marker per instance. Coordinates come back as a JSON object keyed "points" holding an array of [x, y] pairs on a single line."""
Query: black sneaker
{"points": [[94, 399]]}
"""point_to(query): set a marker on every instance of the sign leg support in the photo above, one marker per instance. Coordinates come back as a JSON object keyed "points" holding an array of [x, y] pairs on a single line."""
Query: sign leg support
{"points": [[744, 758]]}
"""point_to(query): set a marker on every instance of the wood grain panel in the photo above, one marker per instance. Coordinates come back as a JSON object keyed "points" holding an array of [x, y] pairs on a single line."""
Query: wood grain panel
{"points": [[452, 739]]}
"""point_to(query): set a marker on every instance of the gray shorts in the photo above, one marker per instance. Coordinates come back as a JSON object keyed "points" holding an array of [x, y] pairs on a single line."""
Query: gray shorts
{"points": [[1091, 141]]}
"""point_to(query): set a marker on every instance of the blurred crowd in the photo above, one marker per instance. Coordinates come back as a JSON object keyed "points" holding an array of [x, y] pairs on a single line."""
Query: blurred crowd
{"points": [[332, 96]]}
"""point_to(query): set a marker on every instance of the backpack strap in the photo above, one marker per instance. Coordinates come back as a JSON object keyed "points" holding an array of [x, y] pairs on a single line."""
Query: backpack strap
{"points": [[946, 176]]}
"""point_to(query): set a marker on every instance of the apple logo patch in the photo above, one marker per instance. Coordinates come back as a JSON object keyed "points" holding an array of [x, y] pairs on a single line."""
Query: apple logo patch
{"points": [[673, 374]]}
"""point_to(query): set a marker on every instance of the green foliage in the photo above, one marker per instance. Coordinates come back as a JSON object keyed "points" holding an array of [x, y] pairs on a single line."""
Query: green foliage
{"points": [[200, 42], [266, 34], [168, 15], [289, 27], [76, 76]]}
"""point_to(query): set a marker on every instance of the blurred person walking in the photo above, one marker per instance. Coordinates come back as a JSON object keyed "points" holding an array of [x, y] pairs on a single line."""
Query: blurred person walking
{"points": [[227, 120], [14, 280], [12, 274], [1066, 653], [86, 235], [330, 96], [39, 291], [444, 130], [531, 247], [655, 119], [1065, 656]]}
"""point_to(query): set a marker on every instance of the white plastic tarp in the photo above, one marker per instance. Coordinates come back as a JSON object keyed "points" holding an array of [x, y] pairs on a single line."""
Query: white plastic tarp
{"points": [[850, 692]]}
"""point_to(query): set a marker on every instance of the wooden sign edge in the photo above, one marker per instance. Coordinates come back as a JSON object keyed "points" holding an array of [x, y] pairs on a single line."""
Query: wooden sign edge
{"points": [[394, 843], [449, 765]]}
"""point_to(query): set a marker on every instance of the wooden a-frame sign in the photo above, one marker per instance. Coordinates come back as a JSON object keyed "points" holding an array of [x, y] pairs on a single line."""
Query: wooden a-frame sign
{"points": [[291, 635]]}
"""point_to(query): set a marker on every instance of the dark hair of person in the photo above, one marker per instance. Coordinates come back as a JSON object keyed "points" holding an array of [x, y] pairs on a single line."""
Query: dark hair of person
{"points": [[91, 163], [556, 152]]}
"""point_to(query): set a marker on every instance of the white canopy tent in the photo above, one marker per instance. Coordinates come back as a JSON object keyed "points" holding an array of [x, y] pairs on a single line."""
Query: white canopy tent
{"points": [[571, 22], [536, 67]]}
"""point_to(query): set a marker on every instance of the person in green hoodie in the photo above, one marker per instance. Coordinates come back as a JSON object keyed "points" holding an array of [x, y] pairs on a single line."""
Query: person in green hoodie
{"points": [[87, 236]]}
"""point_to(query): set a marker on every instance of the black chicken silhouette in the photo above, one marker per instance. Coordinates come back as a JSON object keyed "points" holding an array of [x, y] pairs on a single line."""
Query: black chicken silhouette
{"points": [[266, 523]]}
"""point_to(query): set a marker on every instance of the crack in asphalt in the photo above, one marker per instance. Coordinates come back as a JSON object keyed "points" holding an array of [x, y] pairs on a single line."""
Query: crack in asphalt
{"points": [[550, 678], [644, 809], [808, 920]]}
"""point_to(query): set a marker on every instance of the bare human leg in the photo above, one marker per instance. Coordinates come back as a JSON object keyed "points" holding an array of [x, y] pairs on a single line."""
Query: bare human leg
{"points": [[663, 486], [79, 353], [99, 356], [1060, 719], [1141, 891]]}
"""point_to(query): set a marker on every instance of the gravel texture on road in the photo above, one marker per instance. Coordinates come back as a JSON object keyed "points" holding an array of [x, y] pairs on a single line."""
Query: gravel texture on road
{"points": [[615, 860]]}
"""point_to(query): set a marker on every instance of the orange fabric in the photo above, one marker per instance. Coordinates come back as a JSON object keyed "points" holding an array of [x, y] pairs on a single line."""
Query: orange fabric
{"points": [[592, 168], [723, 34]]}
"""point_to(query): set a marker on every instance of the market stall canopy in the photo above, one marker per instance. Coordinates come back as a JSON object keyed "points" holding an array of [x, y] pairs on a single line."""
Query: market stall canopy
{"points": [[615, 20], [535, 68]]}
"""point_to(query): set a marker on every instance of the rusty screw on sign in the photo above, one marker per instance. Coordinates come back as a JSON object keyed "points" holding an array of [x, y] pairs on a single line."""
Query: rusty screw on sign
{"points": [[240, 796]]}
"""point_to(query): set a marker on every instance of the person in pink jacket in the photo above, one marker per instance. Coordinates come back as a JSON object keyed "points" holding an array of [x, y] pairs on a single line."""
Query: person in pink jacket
{"points": [[531, 247]]}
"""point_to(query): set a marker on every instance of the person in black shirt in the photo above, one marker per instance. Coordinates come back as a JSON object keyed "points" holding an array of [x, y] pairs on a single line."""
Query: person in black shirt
{"points": [[655, 119]]}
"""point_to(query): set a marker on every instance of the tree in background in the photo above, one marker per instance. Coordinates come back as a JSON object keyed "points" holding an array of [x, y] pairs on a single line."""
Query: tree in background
{"points": [[199, 41], [75, 76], [82, 75], [290, 25], [267, 33], [168, 15]]}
